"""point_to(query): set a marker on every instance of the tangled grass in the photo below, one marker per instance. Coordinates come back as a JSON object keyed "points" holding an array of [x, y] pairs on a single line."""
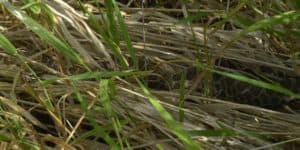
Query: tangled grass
{"points": [[153, 74]]}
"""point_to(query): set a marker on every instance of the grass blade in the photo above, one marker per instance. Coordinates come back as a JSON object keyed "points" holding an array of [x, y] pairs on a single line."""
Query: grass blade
{"points": [[283, 18], [257, 83], [98, 129], [97, 75], [171, 123], [7, 46], [113, 28], [32, 5], [44, 34], [107, 93], [114, 47], [132, 52]]}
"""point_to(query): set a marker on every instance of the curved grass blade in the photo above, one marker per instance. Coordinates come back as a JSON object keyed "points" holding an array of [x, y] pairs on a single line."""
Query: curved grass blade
{"points": [[44, 34]]}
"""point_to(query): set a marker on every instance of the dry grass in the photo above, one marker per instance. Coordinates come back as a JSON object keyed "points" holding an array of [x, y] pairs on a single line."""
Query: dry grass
{"points": [[254, 118]]}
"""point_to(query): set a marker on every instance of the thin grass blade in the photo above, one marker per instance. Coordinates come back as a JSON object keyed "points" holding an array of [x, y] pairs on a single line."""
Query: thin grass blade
{"points": [[32, 5], [132, 52], [44, 34], [171, 123], [284, 18], [257, 83], [7, 46]]}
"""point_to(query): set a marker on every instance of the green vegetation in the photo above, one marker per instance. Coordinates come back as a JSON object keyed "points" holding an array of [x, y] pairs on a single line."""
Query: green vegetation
{"points": [[149, 74]]}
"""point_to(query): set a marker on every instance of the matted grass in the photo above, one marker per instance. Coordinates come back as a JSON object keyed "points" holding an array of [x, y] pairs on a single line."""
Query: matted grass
{"points": [[161, 74]]}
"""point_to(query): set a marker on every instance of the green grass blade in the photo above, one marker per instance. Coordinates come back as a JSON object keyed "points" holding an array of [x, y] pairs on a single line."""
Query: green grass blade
{"points": [[257, 83], [101, 26], [117, 51], [6, 45], [44, 34], [106, 92], [159, 147], [98, 129], [113, 28], [10, 49], [230, 14], [132, 52], [283, 18], [114, 47], [261, 84], [97, 75], [107, 74], [26, 144], [5, 138], [32, 5], [172, 124]]}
